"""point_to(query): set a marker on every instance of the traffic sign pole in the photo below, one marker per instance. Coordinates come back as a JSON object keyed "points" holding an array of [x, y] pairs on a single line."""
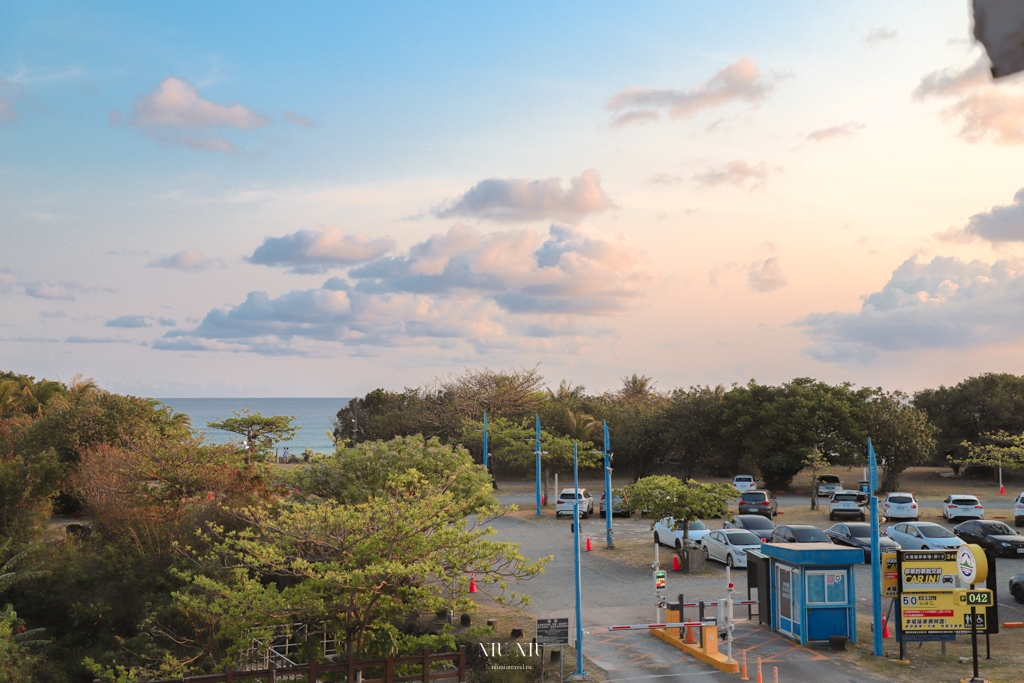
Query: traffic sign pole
{"points": [[609, 501], [876, 555], [576, 554]]}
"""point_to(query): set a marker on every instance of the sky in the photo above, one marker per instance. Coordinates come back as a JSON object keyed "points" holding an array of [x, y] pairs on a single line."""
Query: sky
{"points": [[318, 199]]}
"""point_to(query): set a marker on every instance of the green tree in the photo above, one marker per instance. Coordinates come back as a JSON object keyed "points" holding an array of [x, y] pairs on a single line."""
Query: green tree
{"points": [[901, 434], [693, 422], [27, 486], [984, 404], [381, 415], [17, 662], [666, 496], [1000, 449], [259, 433]]}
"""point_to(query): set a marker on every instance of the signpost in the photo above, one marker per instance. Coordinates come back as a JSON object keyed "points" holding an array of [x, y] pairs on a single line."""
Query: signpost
{"points": [[538, 471], [552, 632], [609, 500], [580, 674], [876, 566]]}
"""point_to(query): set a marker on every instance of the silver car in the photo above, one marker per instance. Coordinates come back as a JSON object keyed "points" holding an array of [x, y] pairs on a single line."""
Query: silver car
{"points": [[923, 536]]}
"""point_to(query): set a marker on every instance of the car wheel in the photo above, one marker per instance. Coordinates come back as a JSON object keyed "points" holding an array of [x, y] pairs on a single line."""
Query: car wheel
{"points": [[586, 514], [924, 547], [602, 514], [657, 539], [707, 556], [1018, 593], [862, 518], [831, 517], [679, 544], [1016, 521], [728, 561]]}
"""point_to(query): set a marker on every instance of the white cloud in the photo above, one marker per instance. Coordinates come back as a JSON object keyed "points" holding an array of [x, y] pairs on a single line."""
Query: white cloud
{"points": [[766, 276], [516, 199], [984, 110], [459, 288], [880, 35], [737, 173], [741, 80], [190, 261], [128, 321], [174, 111], [10, 93], [316, 251], [946, 303], [64, 289], [845, 130], [299, 120], [999, 224]]}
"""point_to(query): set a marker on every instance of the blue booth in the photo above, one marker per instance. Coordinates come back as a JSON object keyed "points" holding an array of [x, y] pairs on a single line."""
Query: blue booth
{"points": [[813, 591]]}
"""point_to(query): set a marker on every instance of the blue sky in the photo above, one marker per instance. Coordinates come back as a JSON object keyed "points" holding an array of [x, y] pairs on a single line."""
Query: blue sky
{"points": [[318, 199]]}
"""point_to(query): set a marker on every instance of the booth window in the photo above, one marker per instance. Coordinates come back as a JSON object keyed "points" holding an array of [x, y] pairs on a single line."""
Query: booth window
{"points": [[826, 588]]}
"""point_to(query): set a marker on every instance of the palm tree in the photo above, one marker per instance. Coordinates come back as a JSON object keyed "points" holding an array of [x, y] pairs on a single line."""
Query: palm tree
{"points": [[637, 388], [9, 575]]}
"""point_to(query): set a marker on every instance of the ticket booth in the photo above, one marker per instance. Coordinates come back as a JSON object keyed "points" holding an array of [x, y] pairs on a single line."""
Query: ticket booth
{"points": [[813, 591]]}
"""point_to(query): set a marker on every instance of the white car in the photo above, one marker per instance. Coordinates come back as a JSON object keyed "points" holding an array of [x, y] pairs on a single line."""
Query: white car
{"points": [[845, 503], [1018, 510], [962, 507], [828, 484], [923, 536], [568, 497], [730, 546], [900, 505], [744, 483], [665, 534]]}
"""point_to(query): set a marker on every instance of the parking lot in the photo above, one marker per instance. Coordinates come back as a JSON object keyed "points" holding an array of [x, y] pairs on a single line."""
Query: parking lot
{"points": [[617, 585]]}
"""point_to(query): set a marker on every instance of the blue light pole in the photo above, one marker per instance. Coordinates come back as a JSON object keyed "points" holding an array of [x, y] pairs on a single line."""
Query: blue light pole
{"points": [[609, 501], [576, 555], [538, 465], [876, 556], [485, 442]]}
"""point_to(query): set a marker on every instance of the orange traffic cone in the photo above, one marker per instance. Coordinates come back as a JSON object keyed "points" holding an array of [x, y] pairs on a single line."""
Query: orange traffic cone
{"points": [[885, 628], [590, 546], [209, 495], [543, 499], [675, 563], [690, 638], [1002, 490], [759, 671], [472, 583], [743, 674]]}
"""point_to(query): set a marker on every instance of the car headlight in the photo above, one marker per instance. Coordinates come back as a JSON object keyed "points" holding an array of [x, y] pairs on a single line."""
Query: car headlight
{"points": [[1005, 544]]}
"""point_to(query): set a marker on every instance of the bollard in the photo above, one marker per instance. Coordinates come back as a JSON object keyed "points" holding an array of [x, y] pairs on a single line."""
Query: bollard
{"points": [[743, 675], [759, 671], [776, 674]]}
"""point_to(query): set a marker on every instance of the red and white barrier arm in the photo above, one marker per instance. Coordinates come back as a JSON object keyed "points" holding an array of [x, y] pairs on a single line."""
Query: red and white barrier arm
{"points": [[644, 627], [715, 603]]}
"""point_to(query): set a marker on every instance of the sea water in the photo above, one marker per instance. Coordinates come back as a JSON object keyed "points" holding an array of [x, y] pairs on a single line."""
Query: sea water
{"points": [[313, 416]]}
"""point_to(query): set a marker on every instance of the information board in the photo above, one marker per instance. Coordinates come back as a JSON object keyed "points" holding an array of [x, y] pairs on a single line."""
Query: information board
{"points": [[890, 576], [552, 631], [928, 570]]}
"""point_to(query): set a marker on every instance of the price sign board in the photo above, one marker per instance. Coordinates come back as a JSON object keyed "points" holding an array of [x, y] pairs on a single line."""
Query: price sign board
{"points": [[890, 576], [552, 631], [928, 570]]}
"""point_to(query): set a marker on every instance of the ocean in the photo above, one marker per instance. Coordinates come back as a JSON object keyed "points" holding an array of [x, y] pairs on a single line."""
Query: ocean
{"points": [[313, 416]]}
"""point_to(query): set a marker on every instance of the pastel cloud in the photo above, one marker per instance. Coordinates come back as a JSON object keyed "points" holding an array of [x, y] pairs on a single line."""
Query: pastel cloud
{"points": [[984, 111], [880, 35], [845, 130], [64, 289], [174, 111], [946, 303], [739, 81], [10, 93], [316, 251], [299, 120], [462, 287], [737, 173], [766, 276], [1000, 223], [512, 200], [190, 261]]}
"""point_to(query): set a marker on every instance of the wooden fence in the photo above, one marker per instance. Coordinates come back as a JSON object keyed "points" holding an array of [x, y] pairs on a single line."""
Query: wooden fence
{"points": [[307, 673]]}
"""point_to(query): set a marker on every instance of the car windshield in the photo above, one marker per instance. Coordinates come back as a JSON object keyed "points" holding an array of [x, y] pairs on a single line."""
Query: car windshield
{"points": [[860, 530], [900, 499], [744, 479], [845, 497], [743, 538], [809, 535], [934, 531], [756, 522], [998, 529], [753, 497], [828, 479], [697, 525]]}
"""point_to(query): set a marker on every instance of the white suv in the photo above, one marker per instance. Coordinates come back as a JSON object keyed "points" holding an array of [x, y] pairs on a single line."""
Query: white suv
{"points": [[845, 503], [1018, 510], [962, 507], [744, 483], [568, 497], [900, 505]]}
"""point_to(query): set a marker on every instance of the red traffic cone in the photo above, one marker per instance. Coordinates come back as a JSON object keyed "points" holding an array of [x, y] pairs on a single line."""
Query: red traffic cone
{"points": [[885, 628], [472, 583], [543, 499], [1002, 490], [675, 563], [209, 495], [590, 546]]}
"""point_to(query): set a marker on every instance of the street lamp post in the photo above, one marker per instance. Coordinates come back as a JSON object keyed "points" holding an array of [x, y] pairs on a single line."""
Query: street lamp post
{"points": [[576, 537], [485, 442], [609, 501], [538, 465]]}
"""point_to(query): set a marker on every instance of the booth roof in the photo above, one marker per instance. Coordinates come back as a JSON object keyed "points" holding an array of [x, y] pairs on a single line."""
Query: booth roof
{"points": [[813, 554]]}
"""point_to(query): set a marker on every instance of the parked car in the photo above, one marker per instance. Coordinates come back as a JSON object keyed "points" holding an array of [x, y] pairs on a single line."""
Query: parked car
{"points": [[798, 533], [845, 503], [900, 505], [759, 502], [828, 484], [666, 534], [730, 546], [1017, 587], [923, 536], [858, 535], [758, 525], [620, 504], [997, 537], [568, 497], [744, 483], [1018, 510], [961, 506]]}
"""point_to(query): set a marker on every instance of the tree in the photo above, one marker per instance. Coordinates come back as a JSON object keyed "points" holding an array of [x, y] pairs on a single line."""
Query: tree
{"points": [[901, 434], [259, 433], [27, 485], [1000, 449], [692, 427], [988, 403], [666, 496], [381, 415], [17, 662]]}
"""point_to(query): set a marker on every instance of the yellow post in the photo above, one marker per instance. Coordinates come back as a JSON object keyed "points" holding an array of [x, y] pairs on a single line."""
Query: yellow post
{"points": [[709, 639], [672, 615]]}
